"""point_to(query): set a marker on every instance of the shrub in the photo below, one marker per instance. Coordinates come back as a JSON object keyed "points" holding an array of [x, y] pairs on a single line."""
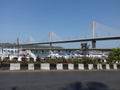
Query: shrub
{"points": [[114, 55], [76, 60], [51, 61], [87, 60], [5, 61], [24, 60], [31, 59], [38, 59]]}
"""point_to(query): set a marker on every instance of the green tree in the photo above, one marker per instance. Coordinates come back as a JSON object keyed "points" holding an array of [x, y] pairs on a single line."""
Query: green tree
{"points": [[114, 55], [85, 48]]}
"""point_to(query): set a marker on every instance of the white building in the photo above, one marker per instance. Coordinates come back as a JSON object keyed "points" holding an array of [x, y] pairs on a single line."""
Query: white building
{"points": [[13, 52], [8, 51]]}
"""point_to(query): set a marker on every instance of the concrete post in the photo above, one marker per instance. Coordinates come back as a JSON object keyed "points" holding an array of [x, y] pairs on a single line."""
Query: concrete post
{"points": [[93, 43]]}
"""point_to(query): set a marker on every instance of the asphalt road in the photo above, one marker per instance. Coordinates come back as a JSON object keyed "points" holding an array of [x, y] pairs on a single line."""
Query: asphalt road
{"points": [[63, 80]]}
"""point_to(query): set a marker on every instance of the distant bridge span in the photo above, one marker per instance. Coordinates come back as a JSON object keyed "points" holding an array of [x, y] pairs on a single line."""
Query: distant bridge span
{"points": [[71, 49], [93, 40]]}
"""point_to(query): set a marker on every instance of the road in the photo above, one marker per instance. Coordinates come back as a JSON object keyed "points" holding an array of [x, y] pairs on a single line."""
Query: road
{"points": [[60, 80]]}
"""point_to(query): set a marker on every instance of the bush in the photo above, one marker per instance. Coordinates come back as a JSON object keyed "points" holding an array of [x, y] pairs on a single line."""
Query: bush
{"points": [[76, 60], [114, 55], [38, 59], [24, 60], [55, 61], [51, 61], [5, 61], [31, 59], [87, 60]]}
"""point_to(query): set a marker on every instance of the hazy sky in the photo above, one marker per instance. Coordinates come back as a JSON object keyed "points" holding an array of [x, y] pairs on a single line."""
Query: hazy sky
{"points": [[68, 19]]}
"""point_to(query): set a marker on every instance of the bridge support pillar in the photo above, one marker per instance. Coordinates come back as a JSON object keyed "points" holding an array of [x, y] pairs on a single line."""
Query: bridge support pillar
{"points": [[93, 43], [50, 46]]}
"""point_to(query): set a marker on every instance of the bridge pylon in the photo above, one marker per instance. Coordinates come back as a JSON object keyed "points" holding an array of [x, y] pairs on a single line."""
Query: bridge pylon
{"points": [[93, 43], [51, 36], [93, 28]]}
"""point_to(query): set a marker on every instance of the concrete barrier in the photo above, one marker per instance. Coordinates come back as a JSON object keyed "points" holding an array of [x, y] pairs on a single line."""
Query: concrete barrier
{"points": [[5, 66], [59, 66], [115, 66], [14, 66], [24, 66], [81, 66], [95, 66], [31, 66], [103, 66], [111, 66], [70, 66], [118, 66], [52, 66], [65, 66], [37, 66], [45, 66], [75, 66], [85, 66], [90, 66], [107, 67], [99, 66]]}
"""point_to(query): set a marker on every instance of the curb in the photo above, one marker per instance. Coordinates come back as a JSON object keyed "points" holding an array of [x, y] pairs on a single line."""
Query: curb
{"points": [[60, 66]]}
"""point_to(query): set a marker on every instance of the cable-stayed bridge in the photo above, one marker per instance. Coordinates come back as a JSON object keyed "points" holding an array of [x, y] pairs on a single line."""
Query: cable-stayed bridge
{"points": [[99, 32], [93, 40]]}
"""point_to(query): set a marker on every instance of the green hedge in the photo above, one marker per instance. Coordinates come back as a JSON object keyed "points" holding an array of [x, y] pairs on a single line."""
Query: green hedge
{"points": [[84, 60]]}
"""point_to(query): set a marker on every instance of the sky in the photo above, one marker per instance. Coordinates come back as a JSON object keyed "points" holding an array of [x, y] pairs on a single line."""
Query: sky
{"points": [[67, 19]]}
